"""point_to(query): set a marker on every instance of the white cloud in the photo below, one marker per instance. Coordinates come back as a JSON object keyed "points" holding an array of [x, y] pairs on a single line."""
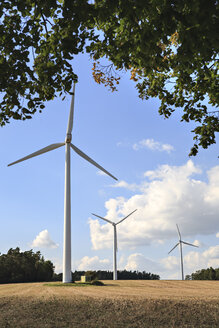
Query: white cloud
{"points": [[217, 235], [153, 145], [169, 267], [101, 235], [212, 253], [43, 240], [198, 243], [173, 172], [170, 195], [170, 263], [57, 262], [193, 261], [213, 192], [93, 263], [126, 185], [138, 261]]}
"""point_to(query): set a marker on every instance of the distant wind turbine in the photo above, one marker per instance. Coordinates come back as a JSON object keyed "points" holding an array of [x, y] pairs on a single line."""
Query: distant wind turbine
{"points": [[115, 249], [67, 202], [180, 247]]}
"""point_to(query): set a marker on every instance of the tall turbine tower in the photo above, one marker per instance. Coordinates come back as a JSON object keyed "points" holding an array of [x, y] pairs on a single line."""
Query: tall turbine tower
{"points": [[180, 247], [114, 241], [67, 202]]}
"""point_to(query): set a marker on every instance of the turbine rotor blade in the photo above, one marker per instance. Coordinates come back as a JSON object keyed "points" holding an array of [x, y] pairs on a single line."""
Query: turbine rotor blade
{"points": [[184, 242], [80, 153], [173, 248], [178, 232], [102, 218], [126, 217], [39, 152], [71, 114]]}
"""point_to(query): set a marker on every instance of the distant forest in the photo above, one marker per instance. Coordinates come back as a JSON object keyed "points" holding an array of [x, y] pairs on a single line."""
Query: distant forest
{"points": [[17, 266], [108, 275], [204, 274]]}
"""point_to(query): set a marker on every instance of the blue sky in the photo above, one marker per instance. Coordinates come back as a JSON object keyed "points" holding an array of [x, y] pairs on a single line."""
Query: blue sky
{"points": [[149, 156]]}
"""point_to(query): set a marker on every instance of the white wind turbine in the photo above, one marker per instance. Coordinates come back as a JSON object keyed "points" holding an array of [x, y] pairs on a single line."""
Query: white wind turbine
{"points": [[114, 240], [180, 247], [67, 202]]}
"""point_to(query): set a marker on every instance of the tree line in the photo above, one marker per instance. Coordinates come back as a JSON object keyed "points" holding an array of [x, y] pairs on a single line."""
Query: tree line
{"points": [[17, 266], [204, 274], [108, 275]]}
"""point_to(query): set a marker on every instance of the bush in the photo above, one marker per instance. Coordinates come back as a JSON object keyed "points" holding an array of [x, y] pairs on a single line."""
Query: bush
{"points": [[97, 283]]}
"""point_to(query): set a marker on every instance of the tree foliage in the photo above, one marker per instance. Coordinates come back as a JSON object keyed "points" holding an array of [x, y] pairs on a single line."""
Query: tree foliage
{"points": [[170, 47], [17, 266], [204, 274]]}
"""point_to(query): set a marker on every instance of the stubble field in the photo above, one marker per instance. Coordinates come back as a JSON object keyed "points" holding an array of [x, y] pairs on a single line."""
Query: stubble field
{"points": [[126, 303]]}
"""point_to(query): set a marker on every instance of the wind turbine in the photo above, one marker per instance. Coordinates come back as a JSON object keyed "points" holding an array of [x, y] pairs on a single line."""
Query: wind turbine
{"points": [[180, 247], [114, 240], [67, 202]]}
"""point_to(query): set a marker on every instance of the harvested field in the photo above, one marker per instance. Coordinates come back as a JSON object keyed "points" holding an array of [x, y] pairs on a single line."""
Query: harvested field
{"points": [[118, 304]]}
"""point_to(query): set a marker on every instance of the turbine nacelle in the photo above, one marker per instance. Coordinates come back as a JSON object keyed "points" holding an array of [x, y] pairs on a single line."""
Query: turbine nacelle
{"points": [[68, 138]]}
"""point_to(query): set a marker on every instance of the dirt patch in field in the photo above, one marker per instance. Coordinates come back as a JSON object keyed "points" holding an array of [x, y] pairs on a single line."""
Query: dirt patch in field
{"points": [[127, 304]]}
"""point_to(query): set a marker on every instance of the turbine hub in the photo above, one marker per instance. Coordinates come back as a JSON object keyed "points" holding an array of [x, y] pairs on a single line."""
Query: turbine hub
{"points": [[68, 138]]}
